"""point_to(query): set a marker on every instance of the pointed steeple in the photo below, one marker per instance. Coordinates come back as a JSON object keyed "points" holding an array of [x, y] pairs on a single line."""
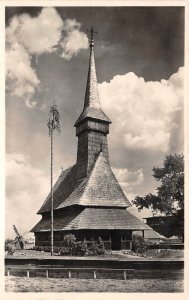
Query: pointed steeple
{"points": [[92, 126], [91, 95], [92, 107]]}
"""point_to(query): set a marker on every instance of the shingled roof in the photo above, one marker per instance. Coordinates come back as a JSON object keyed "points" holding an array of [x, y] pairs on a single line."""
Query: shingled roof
{"points": [[99, 188], [92, 113], [65, 184], [109, 218], [59, 222], [94, 218]]}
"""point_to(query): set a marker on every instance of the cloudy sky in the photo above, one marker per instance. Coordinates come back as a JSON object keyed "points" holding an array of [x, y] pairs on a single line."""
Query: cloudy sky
{"points": [[139, 61]]}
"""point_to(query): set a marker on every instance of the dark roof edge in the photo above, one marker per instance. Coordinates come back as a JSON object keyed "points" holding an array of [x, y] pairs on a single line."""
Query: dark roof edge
{"points": [[81, 121]]}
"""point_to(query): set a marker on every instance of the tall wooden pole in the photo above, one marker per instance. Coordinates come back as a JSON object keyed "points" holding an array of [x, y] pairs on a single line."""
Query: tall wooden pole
{"points": [[53, 124], [52, 205]]}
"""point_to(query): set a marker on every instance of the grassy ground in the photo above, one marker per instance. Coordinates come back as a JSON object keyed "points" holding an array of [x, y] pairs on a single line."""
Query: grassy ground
{"points": [[162, 254], [23, 284], [167, 253]]}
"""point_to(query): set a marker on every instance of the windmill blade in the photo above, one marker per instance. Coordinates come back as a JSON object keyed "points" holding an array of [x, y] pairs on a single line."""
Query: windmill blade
{"points": [[16, 231]]}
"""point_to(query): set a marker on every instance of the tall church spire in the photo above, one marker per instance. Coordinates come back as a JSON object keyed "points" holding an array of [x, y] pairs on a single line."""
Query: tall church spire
{"points": [[92, 126], [91, 94], [92, 107]]}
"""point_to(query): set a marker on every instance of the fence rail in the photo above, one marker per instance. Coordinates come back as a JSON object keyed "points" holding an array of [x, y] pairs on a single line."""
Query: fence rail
{"points": [[92, 273], [89, 273]]}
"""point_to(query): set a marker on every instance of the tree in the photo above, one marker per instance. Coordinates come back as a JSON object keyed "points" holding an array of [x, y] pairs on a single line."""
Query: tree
{"points": [[169, 199]]}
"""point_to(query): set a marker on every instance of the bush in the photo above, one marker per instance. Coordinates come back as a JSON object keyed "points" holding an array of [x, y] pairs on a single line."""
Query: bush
{"points": [[95, 247], [101, 249], [69, 240], [139, 246], [81, 248], [76, 248], [92, 248], [69, 245], [64, 251], [8, 243], [10, 249], [47, 249]]}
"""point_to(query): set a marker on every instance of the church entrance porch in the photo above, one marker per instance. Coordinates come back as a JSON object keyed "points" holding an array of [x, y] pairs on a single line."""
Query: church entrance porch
{"points": [[116, 241], [121, 240], [112, 239]]}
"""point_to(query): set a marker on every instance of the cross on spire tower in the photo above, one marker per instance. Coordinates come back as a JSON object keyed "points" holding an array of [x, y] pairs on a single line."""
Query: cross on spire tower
{"points": [[92, 32]]}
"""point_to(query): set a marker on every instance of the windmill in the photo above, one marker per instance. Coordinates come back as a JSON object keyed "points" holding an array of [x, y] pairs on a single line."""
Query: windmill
{"points": [[19, 241]]}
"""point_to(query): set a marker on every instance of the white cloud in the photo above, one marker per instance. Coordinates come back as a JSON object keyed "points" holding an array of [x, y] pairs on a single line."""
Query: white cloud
{"points": [[74, 41], [71, 24], [30, 103], [26, 188], [129, 180], [27, 37], [23, 79], [159, 140], [144, 114], [36, 34]]}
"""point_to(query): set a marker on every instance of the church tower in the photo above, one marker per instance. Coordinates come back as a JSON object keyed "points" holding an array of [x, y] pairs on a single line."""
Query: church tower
{"points": [[92, 126], [88, 200]]}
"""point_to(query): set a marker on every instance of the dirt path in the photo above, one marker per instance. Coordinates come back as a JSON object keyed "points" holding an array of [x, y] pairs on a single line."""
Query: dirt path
{"points": [[23, 284]]}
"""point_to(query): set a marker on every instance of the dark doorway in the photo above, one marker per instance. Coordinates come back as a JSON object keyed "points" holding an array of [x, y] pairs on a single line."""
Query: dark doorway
{"points": [[116, 240]]}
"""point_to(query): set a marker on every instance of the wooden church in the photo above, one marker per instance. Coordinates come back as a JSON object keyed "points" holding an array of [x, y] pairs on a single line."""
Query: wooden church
{"points": [[88, 200]]}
